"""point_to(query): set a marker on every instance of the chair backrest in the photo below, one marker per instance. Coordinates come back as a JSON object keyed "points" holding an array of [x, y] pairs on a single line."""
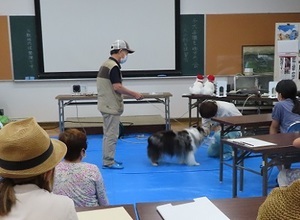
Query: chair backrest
{"points": [[294, 127]]}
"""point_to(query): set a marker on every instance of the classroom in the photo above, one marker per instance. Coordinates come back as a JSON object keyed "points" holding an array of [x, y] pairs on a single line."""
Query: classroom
{"points": [[25, 93], [222, 31]]}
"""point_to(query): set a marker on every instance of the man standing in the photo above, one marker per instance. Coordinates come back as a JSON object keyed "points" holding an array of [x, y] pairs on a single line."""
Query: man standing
{"points": [[110, 100]]}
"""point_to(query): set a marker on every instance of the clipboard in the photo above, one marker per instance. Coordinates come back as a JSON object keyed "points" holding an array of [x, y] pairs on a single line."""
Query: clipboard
{"points": [[202, 208], [251, 142]]}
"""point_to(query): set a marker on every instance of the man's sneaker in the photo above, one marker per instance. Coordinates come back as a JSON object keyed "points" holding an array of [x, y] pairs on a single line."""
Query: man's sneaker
{"points": [[115, 166], [119, 162]]}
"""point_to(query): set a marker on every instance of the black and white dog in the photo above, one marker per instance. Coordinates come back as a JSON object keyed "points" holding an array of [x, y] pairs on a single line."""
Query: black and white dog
{"points": [[182, 144]]}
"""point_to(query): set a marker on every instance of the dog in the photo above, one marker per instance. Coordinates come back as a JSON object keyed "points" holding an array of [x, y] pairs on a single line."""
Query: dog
{"points": [[181, 144]]}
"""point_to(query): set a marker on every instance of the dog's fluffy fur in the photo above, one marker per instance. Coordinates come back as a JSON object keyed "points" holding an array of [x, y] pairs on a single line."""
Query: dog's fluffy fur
{"points": [[182, 144]]}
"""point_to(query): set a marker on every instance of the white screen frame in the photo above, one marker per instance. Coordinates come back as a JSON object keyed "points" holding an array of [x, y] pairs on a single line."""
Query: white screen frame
{"points": [[70, 43]]}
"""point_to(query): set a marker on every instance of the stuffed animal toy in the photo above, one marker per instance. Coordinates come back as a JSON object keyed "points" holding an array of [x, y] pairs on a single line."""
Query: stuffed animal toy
{"points": [[205, 86], [209, 86], [198, 85], [211, 78]]}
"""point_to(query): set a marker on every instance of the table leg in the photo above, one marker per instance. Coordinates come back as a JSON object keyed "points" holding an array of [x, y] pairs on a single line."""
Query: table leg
{"points": [[264, 175], [167, 113], [242, 175], [61, 115], [198, 111], [234, 173], [190, 112], [221, 154]]}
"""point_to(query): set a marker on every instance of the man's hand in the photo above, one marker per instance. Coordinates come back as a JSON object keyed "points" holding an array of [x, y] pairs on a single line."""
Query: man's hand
{"points": [[118, 87], [138, 96]]}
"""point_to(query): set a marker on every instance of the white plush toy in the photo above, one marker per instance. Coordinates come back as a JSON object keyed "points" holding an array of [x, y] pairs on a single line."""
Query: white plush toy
{"points": [[209, 86], [198, 85]]}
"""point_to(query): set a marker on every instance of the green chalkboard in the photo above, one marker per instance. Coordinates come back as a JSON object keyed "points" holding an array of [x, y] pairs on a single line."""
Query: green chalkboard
{"points": [[24, 47], [192, 44]]}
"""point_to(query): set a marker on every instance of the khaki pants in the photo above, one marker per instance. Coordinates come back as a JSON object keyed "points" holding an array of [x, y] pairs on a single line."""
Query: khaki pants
{"points": [[110, 137]]}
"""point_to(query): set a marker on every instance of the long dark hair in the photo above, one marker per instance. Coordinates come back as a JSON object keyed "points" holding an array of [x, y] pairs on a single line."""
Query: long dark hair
{"points": [[288, 90]]}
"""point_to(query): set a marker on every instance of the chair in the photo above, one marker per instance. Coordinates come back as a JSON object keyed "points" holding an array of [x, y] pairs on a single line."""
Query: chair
{"points": [[294, 127]]}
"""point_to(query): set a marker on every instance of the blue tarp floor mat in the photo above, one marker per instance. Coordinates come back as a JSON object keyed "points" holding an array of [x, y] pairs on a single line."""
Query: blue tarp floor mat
{"points": [[139, 181]]}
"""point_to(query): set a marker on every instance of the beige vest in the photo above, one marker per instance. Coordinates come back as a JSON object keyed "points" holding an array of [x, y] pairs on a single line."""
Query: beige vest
{"points": [[108, 100]]}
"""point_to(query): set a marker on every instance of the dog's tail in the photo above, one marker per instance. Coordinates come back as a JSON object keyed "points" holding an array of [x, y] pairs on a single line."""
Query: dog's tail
{"points": [[153, 150]]}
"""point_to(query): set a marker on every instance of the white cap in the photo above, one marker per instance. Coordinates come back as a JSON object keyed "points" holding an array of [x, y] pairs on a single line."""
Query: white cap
{"points": [[121, 44]]}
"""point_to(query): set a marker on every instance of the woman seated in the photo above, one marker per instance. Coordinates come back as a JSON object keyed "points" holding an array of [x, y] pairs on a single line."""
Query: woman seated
{"points": [[287, 110], [28, 159], [78, 180]]}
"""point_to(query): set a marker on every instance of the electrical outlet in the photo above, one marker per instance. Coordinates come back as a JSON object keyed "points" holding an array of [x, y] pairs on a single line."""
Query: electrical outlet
{"points": [[76, 88], [79, 89]]}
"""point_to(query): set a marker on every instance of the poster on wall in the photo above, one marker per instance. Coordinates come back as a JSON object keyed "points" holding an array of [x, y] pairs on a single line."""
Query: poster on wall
{"points": [[287, 32], [288, 49], [288, 66], [287, 36]]}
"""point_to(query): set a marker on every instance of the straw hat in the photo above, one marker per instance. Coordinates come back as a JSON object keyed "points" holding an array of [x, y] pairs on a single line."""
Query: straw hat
{"points": [[282, 203], [26, 150]]}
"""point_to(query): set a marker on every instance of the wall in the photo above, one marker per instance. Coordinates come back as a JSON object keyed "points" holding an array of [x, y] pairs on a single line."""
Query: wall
{"points": [[23, 99], [238, 6], [38, 98], [238, 30]]}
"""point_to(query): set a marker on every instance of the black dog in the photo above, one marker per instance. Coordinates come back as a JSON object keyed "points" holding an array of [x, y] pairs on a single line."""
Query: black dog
{"points": [[182, 144]]}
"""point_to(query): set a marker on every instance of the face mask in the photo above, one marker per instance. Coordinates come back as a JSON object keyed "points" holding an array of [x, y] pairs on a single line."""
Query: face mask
{"points": [[124, 59]]}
